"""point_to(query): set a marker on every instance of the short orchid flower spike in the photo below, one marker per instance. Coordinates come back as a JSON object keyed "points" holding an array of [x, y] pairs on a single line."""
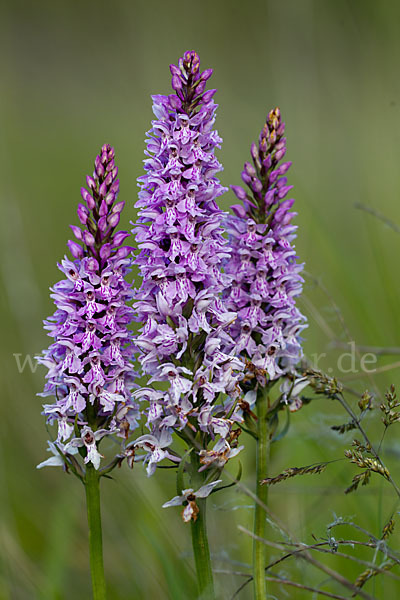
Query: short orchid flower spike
{"points": [[89, 362], [266, 277]]}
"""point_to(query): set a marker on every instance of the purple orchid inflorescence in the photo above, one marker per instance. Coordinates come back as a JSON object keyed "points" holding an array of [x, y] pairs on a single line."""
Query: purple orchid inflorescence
{"points": [[265, 274], [89, 362], [193, 382]]}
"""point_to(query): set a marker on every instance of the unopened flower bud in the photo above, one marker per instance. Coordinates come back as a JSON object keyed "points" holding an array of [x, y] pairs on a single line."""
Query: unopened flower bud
{"points": [[110, 166], [109, 198], [75, 249], [123, 252], [82, 213], [201, 86], [176, 82], [91, 183], [88, 199], [119, 238], [207, 96], [206, 74], [238, 191], [118, 207], [250, 170], [113, 219], [88, 238], [77, 232], [103, 189], [102, 224], [103, 209], [105, 251]]}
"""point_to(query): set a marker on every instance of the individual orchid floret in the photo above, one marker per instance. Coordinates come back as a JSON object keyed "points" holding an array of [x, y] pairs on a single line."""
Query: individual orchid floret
{"points": [[219, 455], [291, 387], [184, 341], [188, 498], [88, 439], [155, 446], [59, 458], [263, 265], [89, 362]]}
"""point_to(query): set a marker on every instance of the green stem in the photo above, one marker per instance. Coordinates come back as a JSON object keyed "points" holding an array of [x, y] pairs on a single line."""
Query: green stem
{"points": [[260, 521], [95, 537], [201, 550]]}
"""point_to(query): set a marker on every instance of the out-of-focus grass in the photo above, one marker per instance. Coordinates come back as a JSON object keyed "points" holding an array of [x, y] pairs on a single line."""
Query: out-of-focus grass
{"points": [[78, 74]]}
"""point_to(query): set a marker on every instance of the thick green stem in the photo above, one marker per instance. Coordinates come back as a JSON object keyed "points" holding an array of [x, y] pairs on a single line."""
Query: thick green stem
{"points": [[201, 550], [95, 537], [260, 522]]}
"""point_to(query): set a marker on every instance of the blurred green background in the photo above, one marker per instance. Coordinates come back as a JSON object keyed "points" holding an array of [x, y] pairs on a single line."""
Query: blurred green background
{"points": [[75, 75]]}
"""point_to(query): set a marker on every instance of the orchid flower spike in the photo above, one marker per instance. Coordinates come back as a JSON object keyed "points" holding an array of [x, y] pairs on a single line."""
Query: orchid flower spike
{"points": [[89, 361], [184, 342], [266, 277]]}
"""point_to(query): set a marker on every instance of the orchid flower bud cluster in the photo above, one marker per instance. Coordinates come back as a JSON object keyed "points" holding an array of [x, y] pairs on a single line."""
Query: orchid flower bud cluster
{"points": [[265, 274], [89, 363], [193, 382]]}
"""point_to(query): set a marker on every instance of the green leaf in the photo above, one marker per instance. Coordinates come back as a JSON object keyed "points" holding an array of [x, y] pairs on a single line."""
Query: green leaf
{"points": [[285, 429], [224, 487], [180, 472]]}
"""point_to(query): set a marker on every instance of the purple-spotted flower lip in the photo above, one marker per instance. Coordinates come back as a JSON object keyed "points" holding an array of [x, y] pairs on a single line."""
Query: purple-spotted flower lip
{"points": [[89, 439], [156, 448], [219, 455], [189, 497], [202, 492]]}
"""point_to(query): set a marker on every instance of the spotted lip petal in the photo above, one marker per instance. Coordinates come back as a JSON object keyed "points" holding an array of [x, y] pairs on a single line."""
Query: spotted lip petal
{"points": [[155, 446], [202, 492]]}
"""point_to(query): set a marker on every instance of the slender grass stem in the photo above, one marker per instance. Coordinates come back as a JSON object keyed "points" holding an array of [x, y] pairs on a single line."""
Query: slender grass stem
{"points": [[95, 536], [201, 549], [260, 549]]}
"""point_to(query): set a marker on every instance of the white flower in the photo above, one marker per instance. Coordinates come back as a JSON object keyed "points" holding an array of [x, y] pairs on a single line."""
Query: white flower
{"points": [[107, 399], [56, 460], [175, 375], [219, 455], [89, 439], [189, 496], [291, 392], [154, 445]]}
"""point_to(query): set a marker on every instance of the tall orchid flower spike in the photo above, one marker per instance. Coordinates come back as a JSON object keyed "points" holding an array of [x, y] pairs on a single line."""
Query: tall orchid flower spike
{"points": [[266, 281], [89, 362], [184, 338]]}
